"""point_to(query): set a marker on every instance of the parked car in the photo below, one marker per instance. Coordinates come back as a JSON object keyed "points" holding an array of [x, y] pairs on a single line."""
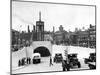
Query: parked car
{"points": [[92, 65], [36, 58], [91, 61], [58, 58], [73, 60], [92, 58]]}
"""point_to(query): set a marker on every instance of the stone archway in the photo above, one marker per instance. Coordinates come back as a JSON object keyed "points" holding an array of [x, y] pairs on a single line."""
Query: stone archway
{"points": [[43, 51], [37, 45]]}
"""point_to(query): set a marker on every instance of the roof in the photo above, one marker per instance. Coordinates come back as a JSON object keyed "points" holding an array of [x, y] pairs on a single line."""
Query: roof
{"points": [[60, 32], [83, 32], [36, 54]]}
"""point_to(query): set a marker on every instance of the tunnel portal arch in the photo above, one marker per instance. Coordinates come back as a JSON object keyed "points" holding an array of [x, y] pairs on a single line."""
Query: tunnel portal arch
{"points": [[42, 50]]}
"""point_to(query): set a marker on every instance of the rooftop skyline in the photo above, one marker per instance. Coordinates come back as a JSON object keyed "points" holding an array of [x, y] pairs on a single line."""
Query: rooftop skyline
{"points": [[69, 16]]}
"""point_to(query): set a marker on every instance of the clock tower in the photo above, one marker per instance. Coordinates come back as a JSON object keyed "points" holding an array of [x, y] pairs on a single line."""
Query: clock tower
{"points": [[40, 29]]}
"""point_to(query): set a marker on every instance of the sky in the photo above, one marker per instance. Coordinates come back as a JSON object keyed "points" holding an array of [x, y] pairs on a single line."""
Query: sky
{"points": [[69, 16]]}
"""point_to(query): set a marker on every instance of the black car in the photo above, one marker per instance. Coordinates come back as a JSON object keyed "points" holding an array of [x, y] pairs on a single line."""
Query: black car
{"points": [[92, 58], [91, 61], [73, 60], [58, 58], [92, 65], [70, 62]]}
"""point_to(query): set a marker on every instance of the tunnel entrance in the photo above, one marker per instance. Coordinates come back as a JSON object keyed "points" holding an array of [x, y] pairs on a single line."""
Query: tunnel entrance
{"points": [[43, 51]]}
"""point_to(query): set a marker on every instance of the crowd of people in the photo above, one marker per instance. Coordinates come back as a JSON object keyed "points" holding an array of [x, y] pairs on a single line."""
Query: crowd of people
{"points": [[24, 61]]}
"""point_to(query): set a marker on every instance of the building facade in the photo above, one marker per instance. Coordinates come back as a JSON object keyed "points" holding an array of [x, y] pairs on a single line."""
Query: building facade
{"points": [[92, 36], [83, 38], [61, 36], [86, 38]]}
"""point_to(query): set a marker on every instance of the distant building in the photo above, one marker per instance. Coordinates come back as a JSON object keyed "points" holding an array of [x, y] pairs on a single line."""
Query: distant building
{"points": [[87, 38], [15, 37], [92, 36], [48, 36], [83, 38], [34, 34], [73, 38], [60, 36]]}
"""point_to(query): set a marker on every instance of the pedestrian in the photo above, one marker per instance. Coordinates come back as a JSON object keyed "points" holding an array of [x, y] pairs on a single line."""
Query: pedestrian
{"points": [[23, 63], [29, 60], [63, 65], [67, 66], [51, 61], [19, 63]]}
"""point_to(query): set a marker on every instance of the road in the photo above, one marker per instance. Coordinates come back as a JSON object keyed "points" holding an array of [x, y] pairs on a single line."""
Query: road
{"points": [[45, 67]]}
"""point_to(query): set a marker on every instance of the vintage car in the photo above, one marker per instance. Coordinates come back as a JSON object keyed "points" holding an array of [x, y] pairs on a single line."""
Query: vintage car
{"points": [[36, 58], [58, 58], [73, 60], [92, 65], [91, 61], [70, 62], [92, 58]]}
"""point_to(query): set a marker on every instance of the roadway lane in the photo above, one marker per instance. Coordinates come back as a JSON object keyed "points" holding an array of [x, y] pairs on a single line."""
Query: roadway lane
{"points": [[45, 67]]}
